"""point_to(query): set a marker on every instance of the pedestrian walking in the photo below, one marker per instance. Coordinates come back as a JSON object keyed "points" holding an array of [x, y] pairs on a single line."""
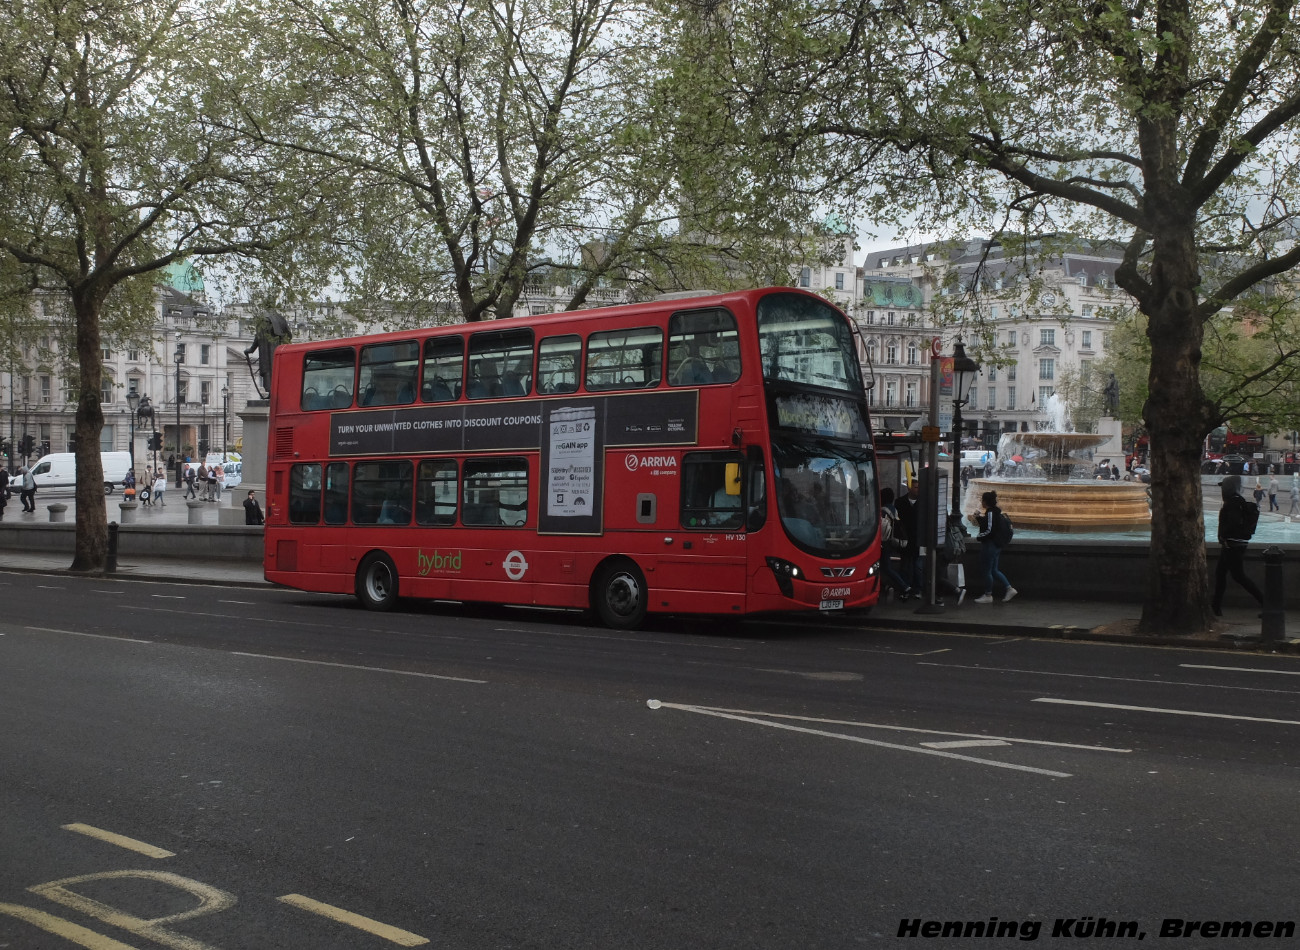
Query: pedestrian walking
{"points": [[1295, 494], [1237, 520], [994, 535], [159, 488], [4, 491], [1272, 494], [27, 489], [1259, 493], [190, 480], [253, 511], [221, 479], [893, 544]]}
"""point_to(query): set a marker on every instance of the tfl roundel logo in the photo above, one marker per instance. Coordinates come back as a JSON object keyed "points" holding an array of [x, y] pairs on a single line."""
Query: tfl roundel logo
{"points": [[631, 461]]}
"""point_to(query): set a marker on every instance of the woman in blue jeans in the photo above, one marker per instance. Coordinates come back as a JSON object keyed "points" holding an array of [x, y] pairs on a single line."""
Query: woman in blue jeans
{"points": [[990, 551]]}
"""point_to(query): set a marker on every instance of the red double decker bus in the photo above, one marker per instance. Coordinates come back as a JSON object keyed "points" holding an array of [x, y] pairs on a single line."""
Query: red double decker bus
{"points": [[704, 455]]}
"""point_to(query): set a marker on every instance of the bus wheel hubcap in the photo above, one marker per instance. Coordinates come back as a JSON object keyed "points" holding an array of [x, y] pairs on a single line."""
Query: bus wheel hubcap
{"points": [[624, 594]]}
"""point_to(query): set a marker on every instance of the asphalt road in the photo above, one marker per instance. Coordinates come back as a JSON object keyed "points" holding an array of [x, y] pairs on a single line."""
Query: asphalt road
{"points": [[218, 767]]}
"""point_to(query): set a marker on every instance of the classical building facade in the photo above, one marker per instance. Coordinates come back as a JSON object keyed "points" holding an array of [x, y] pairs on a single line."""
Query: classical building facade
{"points": [[1033, 322]]}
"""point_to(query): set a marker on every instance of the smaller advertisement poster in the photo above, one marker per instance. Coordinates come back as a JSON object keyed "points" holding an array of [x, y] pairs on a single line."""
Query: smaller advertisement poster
{"points": [[571, 466]]}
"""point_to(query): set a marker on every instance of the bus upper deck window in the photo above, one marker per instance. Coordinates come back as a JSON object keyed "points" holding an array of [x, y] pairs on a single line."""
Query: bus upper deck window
{"points": [[703, 347], [444, 369], [388, 372], [500, 364], [327, 379], [625, 359], [558, 359]]}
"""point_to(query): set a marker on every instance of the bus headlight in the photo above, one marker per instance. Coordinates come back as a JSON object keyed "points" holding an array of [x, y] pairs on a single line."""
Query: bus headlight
{"points": [[785, 573]]}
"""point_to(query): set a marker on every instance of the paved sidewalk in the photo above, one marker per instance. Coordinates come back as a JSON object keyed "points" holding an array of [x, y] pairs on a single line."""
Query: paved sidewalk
{"points": [[1025, 616]]}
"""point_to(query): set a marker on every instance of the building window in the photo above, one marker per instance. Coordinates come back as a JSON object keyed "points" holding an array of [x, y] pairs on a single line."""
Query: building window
{"points": [[133, 355], [911, 397], [1083, 280], [106, 390], [183, 391], [1044, 393], [871, 317], [1087, 336], [1087, 310], [891, 318], [46, 390], [1011, 372], [1047, 369], [1011, 338], [1047, 338], [805, 277], [913, 354], [106, 353], [205, 392], [205, 354], [1011, 397], [180, 351], [839, 281], [891, 393], [891, 353], [993, 398]]}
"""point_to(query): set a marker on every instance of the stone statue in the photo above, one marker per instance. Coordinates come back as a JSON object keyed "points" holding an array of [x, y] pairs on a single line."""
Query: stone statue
{"points": [[1112, 395], [270, 329]]}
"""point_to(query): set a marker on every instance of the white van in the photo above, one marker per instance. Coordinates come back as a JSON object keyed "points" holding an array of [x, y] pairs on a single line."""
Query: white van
{"points": [[60, 470], [976, 458]]}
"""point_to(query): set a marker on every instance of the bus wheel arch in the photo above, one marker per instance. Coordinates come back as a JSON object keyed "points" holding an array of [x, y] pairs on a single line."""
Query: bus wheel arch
{"points": [[377, 583], [619, 595]]}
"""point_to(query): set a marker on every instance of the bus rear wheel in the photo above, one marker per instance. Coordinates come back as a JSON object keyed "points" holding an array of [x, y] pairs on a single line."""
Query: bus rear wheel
{"points": [[619, 595], [377, 582]]}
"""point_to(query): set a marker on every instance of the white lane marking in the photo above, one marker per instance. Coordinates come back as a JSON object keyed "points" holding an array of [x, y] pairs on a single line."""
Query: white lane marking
{"points": [[1014, 740], [100, 590], [965, 744], [245, 603], [122, 841], [1238, 669], [827, 676], [368, 669], [895, 652], [403, 938], [78, 633], [48, 587], [1112, 679], [168, 596], [1167, 712], [706, 711]]}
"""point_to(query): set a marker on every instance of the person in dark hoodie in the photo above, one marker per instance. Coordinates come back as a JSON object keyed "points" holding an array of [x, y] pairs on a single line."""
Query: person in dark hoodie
{"points": [[1236, 525]]}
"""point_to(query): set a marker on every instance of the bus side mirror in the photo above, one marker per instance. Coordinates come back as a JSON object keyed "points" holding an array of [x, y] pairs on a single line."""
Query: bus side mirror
{"points": [[731, 481]]}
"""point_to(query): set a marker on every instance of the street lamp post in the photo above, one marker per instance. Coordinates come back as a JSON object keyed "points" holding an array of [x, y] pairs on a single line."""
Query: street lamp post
{"points": [[180, 455], [964, 371], [225, 420], [133, 401]]}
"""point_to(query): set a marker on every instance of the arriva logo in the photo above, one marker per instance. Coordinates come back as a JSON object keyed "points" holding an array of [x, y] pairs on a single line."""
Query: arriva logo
{"points": [[438, 562], [634, 461]]}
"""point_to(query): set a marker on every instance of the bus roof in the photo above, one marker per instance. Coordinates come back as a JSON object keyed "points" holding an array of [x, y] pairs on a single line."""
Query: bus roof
{"points": [[665, 304]]}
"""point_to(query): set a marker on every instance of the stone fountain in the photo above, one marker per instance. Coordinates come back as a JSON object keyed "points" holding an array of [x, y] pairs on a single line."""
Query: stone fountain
{"points": [[1059, 502]]}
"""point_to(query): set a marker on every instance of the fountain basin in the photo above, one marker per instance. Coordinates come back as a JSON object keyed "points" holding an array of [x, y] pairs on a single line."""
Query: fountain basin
{"points": [[1080, 506]]}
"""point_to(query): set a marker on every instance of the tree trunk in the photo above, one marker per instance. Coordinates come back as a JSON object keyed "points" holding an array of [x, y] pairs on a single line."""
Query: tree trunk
{"points": [[1177, 418], [91, 550]]}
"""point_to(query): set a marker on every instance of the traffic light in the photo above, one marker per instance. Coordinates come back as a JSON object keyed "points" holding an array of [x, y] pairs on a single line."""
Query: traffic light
{"points": [[203, 447], [26, 446], [155, 441]]}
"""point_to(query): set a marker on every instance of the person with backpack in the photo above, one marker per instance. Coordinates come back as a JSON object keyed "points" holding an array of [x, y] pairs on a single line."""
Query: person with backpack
{"points": [[995, 534], [1237, 521], [893, 544]]}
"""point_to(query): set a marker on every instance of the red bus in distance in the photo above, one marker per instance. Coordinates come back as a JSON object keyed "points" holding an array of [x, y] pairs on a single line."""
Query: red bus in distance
{"points": [[699, 455]]}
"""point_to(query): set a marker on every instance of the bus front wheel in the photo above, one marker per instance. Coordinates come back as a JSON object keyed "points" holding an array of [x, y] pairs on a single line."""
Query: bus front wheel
{"points": [[377, 582], [619, 595]]}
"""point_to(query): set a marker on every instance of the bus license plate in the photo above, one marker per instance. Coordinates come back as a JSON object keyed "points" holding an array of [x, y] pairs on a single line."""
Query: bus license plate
{"points": [[831, 605]]}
